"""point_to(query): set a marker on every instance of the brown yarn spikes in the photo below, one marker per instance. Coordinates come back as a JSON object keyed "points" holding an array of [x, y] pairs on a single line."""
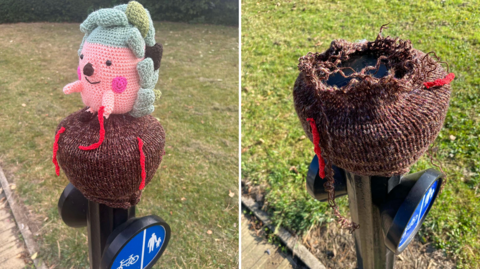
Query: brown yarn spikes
{"points": [[374, 124]]}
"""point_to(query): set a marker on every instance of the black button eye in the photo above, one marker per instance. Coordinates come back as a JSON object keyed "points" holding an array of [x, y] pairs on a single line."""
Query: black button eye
{"points": [[109, 62], [81, 56]]}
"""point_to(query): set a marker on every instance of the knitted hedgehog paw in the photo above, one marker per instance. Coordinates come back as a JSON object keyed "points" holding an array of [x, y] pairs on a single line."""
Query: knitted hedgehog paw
{"points": [[108, 112], [73, 87]]}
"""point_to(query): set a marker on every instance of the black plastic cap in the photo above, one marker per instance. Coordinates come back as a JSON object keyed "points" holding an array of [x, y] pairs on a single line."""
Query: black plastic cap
{"points": [[72, 207], [314, 182]]}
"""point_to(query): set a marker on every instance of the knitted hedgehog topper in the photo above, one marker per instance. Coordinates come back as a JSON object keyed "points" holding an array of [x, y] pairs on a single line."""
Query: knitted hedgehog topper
{"points": [[111, 149], [118, 61], [370, 124]]}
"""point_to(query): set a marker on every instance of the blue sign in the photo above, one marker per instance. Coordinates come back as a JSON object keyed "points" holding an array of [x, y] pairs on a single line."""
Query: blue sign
{"points": [[418, 214], [141, 249]]}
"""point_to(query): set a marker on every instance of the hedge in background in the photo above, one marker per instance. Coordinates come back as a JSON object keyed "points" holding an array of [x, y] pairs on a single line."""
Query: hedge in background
{"points": [[197, 11]]}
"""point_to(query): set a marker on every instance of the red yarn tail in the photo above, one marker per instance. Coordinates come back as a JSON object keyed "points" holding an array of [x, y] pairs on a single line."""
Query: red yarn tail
{"points": [[102, 132], [440, 82], [55, 149], [318, 151], [142, 163]]}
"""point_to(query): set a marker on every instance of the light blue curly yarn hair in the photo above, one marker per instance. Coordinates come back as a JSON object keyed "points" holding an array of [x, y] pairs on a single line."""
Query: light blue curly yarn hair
{"points": [[127, 26]]}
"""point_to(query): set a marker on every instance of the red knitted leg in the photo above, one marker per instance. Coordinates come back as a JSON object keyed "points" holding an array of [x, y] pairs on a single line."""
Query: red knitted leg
{"points": [[55, 149], [102, 132], [317, 149], [142, 163], [440, 82]]}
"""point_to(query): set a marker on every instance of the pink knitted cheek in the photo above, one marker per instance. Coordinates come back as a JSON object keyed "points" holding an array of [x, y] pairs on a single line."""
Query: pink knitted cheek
{"points": [[119, 84], [79, 73]]}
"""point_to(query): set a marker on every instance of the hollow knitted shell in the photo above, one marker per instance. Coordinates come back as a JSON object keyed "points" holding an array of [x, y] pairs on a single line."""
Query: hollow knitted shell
{"points": [[372, 126], [110, 174]]}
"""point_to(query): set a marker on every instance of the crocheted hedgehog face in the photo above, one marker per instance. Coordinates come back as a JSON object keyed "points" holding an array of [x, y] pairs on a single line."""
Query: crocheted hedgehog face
{"points": [[108, 73], [118, 61]]}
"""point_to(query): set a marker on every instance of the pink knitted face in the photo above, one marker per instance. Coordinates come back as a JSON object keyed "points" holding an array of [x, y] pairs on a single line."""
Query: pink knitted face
{"points": [[118, 75], [79, 73]]}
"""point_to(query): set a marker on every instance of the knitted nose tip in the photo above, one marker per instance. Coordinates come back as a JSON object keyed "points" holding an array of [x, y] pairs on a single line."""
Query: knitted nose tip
{"points": [[88, 69]]}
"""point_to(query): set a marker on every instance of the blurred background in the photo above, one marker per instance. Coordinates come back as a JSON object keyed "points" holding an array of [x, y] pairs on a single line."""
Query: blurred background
{"points": [[223, 12]]}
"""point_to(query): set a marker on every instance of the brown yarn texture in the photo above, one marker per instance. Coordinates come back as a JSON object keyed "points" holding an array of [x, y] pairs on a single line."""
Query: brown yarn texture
{"points": [[371, 126], [110, 174]]}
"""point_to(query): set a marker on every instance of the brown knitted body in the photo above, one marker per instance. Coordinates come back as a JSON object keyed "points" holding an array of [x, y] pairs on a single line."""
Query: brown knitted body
{"points": [[372, 126], [110, 174]]}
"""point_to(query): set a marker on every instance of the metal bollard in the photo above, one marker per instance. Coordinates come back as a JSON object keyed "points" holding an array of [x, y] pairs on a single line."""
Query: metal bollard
{"points": [[101, 222], [389, 211], [116, 238], [365, 194]]}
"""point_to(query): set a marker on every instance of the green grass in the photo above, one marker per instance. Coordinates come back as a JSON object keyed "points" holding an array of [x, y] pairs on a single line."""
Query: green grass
{"points": [[198, 109], [276, 33]]}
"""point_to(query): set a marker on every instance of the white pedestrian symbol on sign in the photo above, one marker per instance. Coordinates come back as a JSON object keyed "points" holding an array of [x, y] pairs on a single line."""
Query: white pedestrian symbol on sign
{"points": [[153, 243]]}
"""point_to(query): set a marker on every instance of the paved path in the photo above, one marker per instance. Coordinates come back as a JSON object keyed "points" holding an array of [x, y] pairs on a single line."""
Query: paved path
{"points": [[12, 248], [254, 251]]}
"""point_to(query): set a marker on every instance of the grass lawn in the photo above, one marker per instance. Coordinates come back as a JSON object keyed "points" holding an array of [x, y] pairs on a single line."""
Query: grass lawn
{"points": [[198, 109], [276, 33]]}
